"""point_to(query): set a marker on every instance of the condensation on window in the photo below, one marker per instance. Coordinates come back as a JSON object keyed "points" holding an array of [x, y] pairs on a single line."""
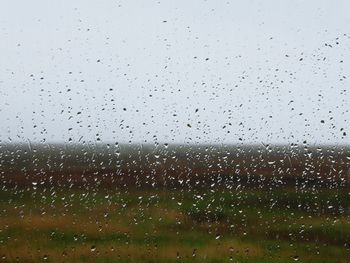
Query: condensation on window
{"points": [[174, 131]]}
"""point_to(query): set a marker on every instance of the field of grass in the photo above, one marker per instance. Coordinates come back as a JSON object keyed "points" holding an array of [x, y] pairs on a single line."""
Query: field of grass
{"points": [[241, 224]]}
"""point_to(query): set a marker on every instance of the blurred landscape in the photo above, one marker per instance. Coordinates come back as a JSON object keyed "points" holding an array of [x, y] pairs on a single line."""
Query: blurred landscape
{"points": [[175, 131], [174, 203], [164, 165]]}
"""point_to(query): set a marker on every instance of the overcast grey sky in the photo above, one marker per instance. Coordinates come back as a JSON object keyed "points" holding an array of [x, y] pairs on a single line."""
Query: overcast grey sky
{"points": [[175, 71]]}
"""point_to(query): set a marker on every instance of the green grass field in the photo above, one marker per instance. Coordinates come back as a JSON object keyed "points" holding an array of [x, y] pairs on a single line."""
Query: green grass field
{"points": [[189, 225]]}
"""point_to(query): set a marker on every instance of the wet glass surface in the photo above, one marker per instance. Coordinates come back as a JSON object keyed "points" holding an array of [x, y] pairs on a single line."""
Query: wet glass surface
{"points": [[174, 131]]}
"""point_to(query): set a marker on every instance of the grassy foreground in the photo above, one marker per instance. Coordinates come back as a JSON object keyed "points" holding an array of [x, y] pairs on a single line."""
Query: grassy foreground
{"points": [[189, 225]]}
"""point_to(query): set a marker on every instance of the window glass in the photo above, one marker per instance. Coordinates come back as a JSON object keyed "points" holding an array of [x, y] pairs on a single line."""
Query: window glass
{"points": [[174, 131]]}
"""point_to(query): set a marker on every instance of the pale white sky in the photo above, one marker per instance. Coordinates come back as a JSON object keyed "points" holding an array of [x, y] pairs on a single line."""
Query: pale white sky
{"points": [[185, 71]]}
